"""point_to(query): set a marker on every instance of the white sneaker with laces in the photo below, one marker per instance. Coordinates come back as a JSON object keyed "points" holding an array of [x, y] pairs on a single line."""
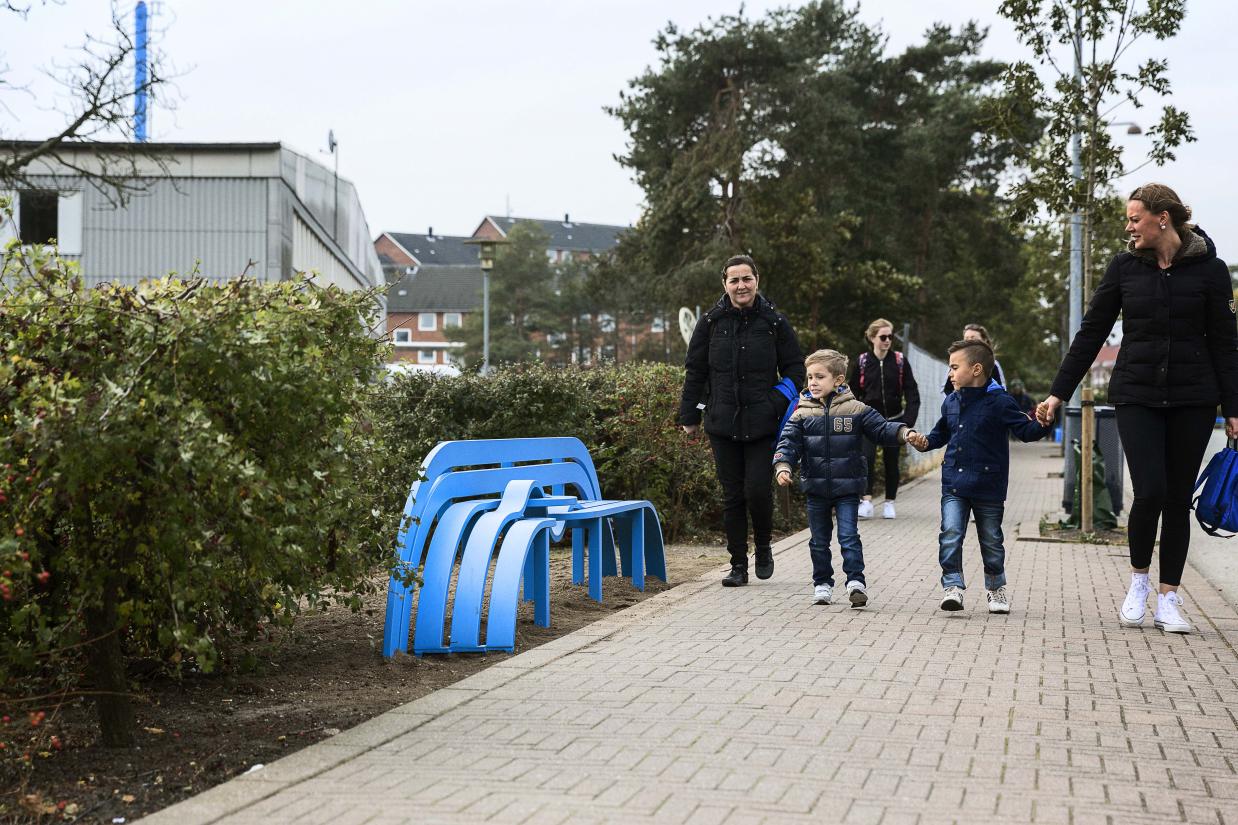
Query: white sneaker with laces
{"points": [[822, 593], [857, 593], [1135, 606], [999, 600], [866, 509], [953, 599], [1167, 616], [888, 510]]}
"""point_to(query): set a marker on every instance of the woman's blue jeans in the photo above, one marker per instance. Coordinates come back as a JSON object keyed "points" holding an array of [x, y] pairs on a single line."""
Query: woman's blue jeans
{"points": [[954, 512], [821, 526]]}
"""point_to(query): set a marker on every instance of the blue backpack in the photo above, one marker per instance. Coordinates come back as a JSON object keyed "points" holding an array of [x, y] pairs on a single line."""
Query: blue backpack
{"points": [[787, 387], [1216, 508]]}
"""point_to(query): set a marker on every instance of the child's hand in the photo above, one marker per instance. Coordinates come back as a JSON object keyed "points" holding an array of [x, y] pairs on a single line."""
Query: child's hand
{"points": [[918, 440], [784, 479]]}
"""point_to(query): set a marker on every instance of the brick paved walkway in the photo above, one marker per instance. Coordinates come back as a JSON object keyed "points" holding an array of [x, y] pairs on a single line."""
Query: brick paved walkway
{"points": [[713, 706]]}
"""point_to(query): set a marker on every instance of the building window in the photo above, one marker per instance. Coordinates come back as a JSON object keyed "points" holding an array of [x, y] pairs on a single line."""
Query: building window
{"points": [[403, 337], [425, 356], [38, 217], [451, 319], [658, 325], [427, 321]]}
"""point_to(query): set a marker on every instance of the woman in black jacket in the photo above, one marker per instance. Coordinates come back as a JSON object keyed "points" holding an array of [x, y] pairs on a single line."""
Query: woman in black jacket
{"points": [[882, 379], [741, 348], [1178, 361]]}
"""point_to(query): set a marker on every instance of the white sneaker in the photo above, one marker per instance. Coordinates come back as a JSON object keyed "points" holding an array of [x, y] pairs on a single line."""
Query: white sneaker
{"points": [[1167, 616], [999, 600], [888, 510], [866, 509], [1135, 606], [857, 594], [953, 599], [822, 593]]}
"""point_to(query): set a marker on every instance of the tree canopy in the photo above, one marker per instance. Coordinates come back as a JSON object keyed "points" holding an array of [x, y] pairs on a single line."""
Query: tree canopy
{"points": [[860, 181]]}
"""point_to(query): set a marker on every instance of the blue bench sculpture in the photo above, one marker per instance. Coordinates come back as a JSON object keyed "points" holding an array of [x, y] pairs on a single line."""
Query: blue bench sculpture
{"points": [[526, 492]]}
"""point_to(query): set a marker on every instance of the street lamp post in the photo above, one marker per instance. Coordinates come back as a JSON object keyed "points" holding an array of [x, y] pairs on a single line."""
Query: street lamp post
{"points": [[486, 250]]}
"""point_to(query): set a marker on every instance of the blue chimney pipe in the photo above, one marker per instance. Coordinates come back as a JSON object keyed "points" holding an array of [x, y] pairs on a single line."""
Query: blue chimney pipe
{"points": [[139, 75]]}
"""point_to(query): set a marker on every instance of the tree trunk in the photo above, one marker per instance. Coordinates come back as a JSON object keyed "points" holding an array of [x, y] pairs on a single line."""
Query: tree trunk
{"points": [[106, 667]]}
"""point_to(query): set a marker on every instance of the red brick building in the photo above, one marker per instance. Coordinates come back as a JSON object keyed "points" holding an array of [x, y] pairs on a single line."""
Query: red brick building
{"points": [[436, 282]]}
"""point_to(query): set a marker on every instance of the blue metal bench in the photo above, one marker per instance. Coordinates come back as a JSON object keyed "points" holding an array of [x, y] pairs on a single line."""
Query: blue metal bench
{"points": [[527, 491]]}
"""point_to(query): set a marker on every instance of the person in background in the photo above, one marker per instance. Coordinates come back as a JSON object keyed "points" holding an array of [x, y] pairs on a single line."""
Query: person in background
{"points": [[882, 379], [1019, 393], [975, 332], [740, 349]]}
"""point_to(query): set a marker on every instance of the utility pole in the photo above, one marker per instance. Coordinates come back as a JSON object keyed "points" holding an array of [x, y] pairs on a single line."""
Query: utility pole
{"points": [[335, 150]]}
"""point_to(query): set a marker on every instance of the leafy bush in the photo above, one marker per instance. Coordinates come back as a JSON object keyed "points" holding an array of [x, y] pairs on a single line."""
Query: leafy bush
{"points": [[182, 462], [625, 414]]}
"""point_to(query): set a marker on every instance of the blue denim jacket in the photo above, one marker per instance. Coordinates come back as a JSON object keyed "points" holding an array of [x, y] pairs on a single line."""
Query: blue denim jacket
{"points": [[974, 422]]}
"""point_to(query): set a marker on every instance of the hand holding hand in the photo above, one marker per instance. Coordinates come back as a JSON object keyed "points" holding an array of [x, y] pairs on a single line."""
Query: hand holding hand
{"points": [[783, 478], [918, 440], [1231, 427], [1046, 410]]}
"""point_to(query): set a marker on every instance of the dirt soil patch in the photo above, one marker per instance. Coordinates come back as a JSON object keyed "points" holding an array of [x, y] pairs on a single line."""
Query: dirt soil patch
{"points": [[322, 677]]}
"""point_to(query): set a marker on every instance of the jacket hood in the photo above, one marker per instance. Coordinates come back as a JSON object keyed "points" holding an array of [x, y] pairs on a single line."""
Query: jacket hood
{"points": [[993, 386], [724, 304], [841, 395], [1196, 246]]}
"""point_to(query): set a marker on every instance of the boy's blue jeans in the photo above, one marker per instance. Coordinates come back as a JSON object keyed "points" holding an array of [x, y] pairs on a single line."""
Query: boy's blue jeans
{"points": [[954, 512], [821, 525]]}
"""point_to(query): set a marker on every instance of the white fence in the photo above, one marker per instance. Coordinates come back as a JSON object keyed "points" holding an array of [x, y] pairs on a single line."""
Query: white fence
{"points": [[930, 374]]}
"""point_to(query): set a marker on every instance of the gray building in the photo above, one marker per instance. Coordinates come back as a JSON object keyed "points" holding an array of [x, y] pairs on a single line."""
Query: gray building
{"points": [[223, 208]]}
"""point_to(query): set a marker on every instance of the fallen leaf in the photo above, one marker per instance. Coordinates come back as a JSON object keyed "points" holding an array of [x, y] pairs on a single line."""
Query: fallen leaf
{"points": [[127, 798], [155, 731]]}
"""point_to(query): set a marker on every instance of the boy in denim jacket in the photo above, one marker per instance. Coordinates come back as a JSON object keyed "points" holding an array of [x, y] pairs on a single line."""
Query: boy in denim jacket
{"points": [[975, 419], [825, 437]]}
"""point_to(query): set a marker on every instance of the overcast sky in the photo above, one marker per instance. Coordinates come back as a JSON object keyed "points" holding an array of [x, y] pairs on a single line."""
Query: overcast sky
{"points": [[446, 111]]}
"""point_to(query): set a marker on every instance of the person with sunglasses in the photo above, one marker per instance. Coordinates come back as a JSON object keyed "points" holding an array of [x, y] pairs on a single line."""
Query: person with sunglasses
{"points": [[882, 379]]}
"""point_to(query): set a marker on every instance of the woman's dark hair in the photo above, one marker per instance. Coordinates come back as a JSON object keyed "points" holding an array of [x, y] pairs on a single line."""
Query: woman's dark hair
{"points": [[740, 260], [1158, 198]]}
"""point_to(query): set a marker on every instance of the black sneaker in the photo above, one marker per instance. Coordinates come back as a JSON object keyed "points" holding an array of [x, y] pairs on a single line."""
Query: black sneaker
{"points": [[736, 578], [765, 562]]}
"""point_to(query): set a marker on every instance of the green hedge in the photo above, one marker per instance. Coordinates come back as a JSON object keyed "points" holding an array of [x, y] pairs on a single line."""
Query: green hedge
{"points": [[625, 414], [182, 463]]}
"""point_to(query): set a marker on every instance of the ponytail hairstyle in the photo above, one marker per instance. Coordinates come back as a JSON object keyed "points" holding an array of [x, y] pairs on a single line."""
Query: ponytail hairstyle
{"points": [[1158, 198]]}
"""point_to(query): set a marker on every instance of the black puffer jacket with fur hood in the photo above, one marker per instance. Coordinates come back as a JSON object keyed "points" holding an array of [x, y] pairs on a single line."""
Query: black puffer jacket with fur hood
{"points": [[1179, 337]]}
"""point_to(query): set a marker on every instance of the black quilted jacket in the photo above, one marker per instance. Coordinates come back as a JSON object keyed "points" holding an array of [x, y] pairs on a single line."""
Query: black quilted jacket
{"points": [[736, 357], [1179, 337]]}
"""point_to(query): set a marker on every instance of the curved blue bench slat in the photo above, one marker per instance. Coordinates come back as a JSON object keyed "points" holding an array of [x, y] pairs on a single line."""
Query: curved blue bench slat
{"points": [[528, 539], [436, 497], [436, 576], [475, 563]]}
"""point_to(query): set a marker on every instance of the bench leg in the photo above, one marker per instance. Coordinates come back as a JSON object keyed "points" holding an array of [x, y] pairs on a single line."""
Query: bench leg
{"points": [[597, 527], [578, 554], [540, 558], [609, 567], [528, 589]]}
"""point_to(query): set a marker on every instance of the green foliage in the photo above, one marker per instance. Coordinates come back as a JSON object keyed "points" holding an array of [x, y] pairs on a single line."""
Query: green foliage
{"points": [[858, 180], [1100, 33], [625, 414], [183, 462]]}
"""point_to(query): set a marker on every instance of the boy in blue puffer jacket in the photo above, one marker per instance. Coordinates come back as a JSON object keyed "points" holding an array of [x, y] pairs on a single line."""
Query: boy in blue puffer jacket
{"points": [[825, 437], [975, 419]]}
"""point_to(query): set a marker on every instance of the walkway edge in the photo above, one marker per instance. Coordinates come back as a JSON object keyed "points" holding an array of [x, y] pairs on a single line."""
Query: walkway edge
{"points": [[248, 789]]}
